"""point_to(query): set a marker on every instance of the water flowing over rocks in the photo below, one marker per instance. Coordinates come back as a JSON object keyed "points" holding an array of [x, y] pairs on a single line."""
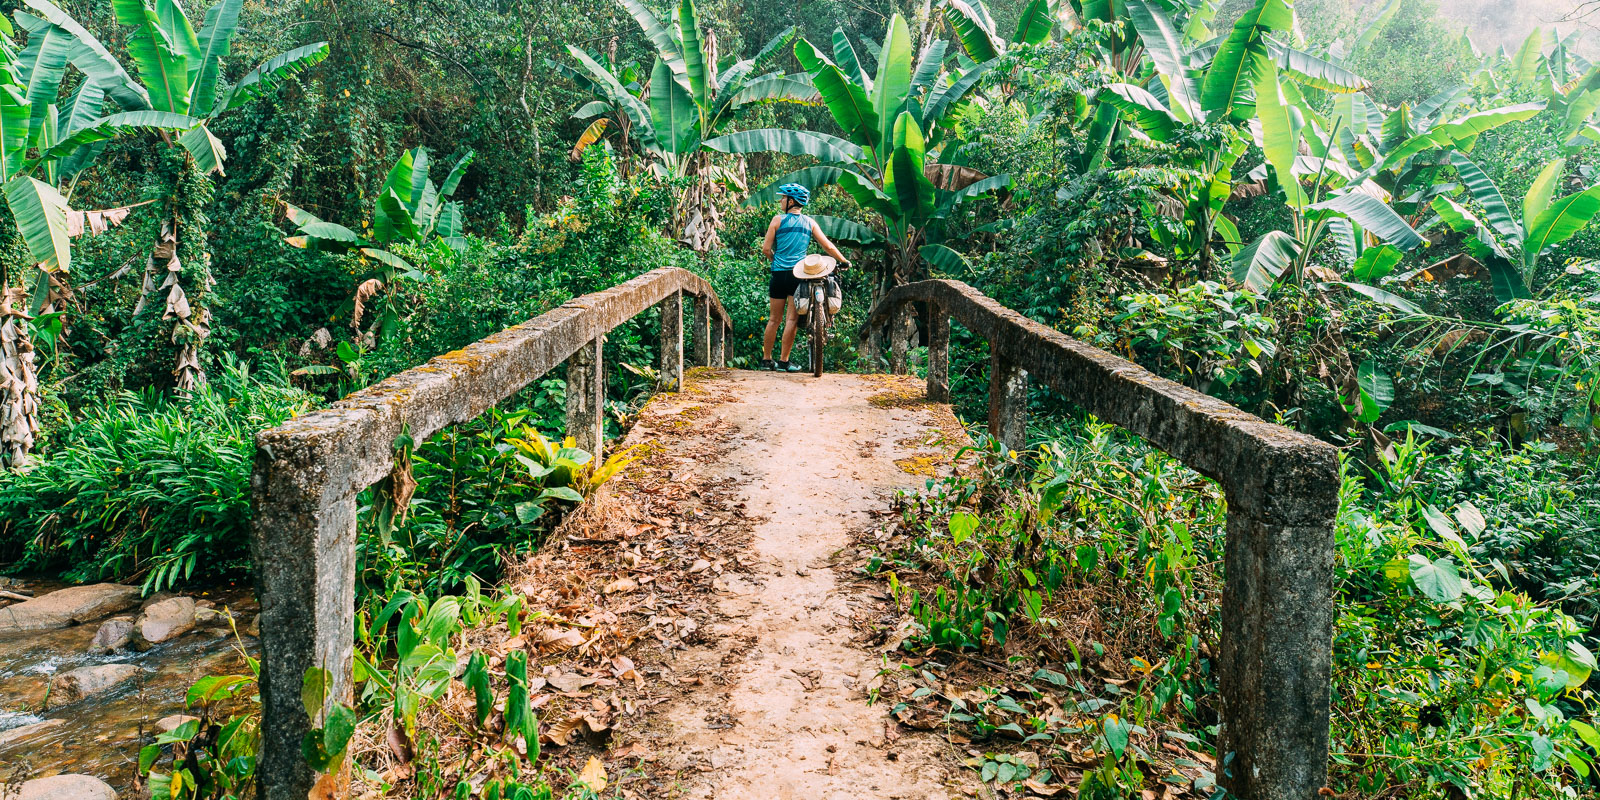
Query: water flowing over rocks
{"points": [[70, 606], [114, 635], [163, 621], [85, 682]]}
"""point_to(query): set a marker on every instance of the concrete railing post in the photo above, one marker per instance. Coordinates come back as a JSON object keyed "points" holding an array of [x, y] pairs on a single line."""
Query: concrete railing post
{"points": [[1008, 401], [1276, 670], [900, 333], [719, 344], [586, 396], [304, 549], [671, 366], [938, 354], [702, 331]]}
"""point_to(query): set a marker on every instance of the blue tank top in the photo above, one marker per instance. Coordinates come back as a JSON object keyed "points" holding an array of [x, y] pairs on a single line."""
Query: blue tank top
{"points": [[790, 243]]}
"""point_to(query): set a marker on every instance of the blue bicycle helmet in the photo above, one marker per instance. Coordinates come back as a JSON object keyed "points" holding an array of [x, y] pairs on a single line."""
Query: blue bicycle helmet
{"points": [[795, 192]]}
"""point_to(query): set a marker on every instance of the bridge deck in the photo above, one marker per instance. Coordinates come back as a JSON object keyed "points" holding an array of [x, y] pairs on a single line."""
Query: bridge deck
{"points": [[780, 710]]}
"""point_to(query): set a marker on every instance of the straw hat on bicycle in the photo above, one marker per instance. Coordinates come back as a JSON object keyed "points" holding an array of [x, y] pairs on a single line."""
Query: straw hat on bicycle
{"points": [[815, 266]]}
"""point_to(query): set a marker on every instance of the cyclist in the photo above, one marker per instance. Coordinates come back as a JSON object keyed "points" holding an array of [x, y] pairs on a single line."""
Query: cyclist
{"points": [[787, 240]]}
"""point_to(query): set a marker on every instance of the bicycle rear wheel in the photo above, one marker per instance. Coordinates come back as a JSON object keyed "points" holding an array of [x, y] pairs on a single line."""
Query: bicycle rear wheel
{"points": [[819, 326]]}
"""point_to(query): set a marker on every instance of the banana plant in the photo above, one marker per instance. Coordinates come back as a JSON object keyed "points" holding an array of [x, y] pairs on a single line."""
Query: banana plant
{"points": [[409, 210], [1509, 244], [895, 124], [177, 89], [691, 97], [975, 28]]}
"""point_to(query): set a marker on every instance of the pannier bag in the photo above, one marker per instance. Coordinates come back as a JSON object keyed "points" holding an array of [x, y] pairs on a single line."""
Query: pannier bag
{"points": [[835, 296]]}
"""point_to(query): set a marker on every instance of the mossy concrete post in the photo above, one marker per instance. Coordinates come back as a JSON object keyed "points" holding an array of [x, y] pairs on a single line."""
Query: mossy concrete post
{"points": [[702, 332], [671, 374], [586, 396], [938, 354], [1008, 401], [900, 333], [303, 543], [719, 344]]}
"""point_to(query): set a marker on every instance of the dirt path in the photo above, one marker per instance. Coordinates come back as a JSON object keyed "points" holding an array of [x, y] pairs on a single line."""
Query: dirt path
{"points": [[786, 717]]}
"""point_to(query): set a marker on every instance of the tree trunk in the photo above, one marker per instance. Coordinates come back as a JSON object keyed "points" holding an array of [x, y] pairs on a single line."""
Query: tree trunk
{"points": [[19, 382]]}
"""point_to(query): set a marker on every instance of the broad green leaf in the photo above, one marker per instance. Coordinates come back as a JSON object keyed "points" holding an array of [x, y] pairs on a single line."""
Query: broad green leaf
{"points": [[906, 180], [1376, 216], [666, 41], [43, 64], [40, 214], [1376, 390], [977, 39], [944, 258], [847, 101], [180, 34], [82, 108], [163, 70], [1376, 25], [216, 44], [89, 55], [1541, 190], [1437, 579], [270, 73], [1526, 63], [609, 87], [205, 148], [329, 231], [893, 84], [778, 88], [1488, 196], [1280, 135], [1317, 73], [1227, 86], [943, 100], [315, 686], [812, 178], [694, 55], [849, 62], [975, 190], [929, 67], [114, 125], [1035, 23], [733, 78], [1461, 129], [844, 231], [392, 220], [1441, 101], [1165, 48], [868, 196], [1264, 261], [672, 110], [795, 143], [1377, 295], [1559, 221], [457, 172], [1142, 107], [1375, 263], [15, 114], [400, 184]]}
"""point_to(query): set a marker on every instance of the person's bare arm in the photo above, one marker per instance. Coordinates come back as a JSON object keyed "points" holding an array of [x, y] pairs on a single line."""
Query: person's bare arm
{"points": [[772, 235], [827, 244]]}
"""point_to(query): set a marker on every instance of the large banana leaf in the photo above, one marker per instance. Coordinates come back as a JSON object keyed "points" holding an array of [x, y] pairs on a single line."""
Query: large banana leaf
{"points": [[41, 217], [1377, 295], [905, 179], [794, 143], [944, 258], [81, 110], [844, 231], [943, 100], [1541, 190], [114, 125], [205, 148], [672, 110], [849, 62], [1226, 91], [612, 90], [89, 55], [893, 84], [44, 62], [457, 172], [1146, 111], [847, 101], [388, 223], [694, 54], [392, 220], [270, 73], [1315, 72], [1376, 25], [1376, 216], [972, 191], [180, 34], [1487, 194], [1558, 222], [732, 78], [666, 41], [1466, 127], [1441, 102], [1037, 20], [975, 38], [930, 65], [1165, 48], [869, 196], [216, 43], [1280, 135], [163, 70], [1526, 63], [1264, 261], [812, 178]]}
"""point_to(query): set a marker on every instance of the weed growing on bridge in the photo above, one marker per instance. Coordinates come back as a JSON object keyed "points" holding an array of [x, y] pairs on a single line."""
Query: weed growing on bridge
{"points": [[1061, 607]]}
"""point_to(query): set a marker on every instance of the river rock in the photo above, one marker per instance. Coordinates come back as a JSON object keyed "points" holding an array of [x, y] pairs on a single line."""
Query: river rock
{"points": [[162, 621], [27, 731], [254, 628], [114, 635], [168, 724], [67, 787], [69, 606], [210, 618], [83, 682]]}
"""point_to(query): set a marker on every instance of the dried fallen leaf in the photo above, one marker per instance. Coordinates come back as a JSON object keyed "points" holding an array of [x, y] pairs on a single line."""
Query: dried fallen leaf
{"points": [[621, 585], [570, 682], [700, 565], [592, 776], [1043, 790], [560, 734], [560, 637]]}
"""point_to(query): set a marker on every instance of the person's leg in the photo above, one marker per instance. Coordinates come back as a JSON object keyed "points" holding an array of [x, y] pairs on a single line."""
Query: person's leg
{"points": [[775, 310], [790, 322]]}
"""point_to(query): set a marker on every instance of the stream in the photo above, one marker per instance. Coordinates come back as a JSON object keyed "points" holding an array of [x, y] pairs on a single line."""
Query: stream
{"points": [[101, 734]]}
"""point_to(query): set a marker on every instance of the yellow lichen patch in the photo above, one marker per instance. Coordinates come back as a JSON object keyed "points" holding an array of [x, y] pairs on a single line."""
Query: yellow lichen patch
{"points": [[926, 466]]}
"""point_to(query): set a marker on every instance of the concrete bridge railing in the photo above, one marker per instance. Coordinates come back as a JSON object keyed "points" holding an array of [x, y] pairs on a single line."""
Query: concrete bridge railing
{"points": [[309, 471], [1282, 490]]}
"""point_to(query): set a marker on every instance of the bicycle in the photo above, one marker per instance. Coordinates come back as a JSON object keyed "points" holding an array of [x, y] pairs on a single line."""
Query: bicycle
{"points": [[812, 303]]}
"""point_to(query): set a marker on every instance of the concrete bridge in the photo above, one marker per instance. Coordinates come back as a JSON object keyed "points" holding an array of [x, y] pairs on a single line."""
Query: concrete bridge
{"points": [[1281, 488]]}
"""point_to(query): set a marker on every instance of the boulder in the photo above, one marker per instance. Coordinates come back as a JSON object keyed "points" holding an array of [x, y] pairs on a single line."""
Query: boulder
{"points": [[69, 606], [210, 618], [27, 731], [84, 682], [163, 621], [171, 723], [114, 635], [67, 787]]}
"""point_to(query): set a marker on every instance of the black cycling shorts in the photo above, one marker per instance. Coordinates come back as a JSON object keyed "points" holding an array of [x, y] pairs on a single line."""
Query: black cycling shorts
{"points": [[782, 285]]}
